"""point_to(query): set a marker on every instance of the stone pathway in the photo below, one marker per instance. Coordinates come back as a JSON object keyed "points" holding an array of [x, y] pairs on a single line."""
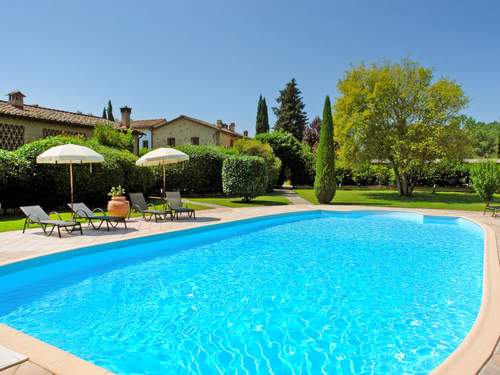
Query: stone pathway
{"points": [[292, 196]]}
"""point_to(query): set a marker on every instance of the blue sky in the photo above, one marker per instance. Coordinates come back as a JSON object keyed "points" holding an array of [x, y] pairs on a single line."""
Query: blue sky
{"points": [[212, 59]]}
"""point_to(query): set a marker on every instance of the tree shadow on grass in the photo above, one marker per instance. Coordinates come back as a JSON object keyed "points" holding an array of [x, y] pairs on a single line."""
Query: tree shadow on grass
{"points": [[445, 198]]}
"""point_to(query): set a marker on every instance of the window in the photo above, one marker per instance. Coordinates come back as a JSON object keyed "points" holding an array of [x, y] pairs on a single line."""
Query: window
{"points": [[171, 141], [145, 144], [231, 143], [11, 136], [195, 140]]}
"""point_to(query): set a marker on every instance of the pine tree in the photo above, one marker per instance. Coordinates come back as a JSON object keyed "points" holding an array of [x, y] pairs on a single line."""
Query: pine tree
{"points": [[104, 115], [290, 114], [262, 121], [324, 182], [110, 111]]}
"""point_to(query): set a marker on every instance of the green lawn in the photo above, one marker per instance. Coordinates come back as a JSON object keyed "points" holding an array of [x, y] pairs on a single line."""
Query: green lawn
{"points": [[16, 223], [390, 198], [264, 200]]}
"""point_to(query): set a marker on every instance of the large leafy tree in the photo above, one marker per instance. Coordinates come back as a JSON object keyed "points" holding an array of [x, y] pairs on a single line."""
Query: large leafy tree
{"points": [[483, 136], [311, 134], [262, 121], [397, 112], [110, 111], [290, 114], [324, 182]]}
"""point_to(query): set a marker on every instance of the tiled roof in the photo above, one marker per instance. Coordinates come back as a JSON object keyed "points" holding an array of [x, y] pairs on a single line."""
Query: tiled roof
{"points": [[205, 123], [141, 124], [34, 112]]}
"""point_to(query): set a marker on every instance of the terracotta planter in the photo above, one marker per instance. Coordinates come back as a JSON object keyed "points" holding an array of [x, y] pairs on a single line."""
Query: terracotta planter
{"points": [[118, 206]]}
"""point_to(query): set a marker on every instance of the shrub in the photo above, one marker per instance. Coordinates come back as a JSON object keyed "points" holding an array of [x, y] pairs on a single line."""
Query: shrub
{"points": [[13, 175], [244, 176], [48, 184], [295, 156], [445, 173], [344, 175], [202, 174], [107, 135], [371, 174], [485, 179], [324, 182], [255, 147]]}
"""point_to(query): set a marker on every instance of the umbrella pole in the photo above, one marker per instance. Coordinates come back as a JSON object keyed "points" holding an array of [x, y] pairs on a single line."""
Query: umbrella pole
{"points": [[71, 181], [164, 191]]}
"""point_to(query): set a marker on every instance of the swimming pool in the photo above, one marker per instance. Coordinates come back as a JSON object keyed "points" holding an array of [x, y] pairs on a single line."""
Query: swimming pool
{"points": [[358, 292]]}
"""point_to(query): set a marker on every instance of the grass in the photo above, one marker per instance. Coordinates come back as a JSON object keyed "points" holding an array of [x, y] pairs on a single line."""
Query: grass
{"points": [[8, 224], [449, 200], [264, 200]]}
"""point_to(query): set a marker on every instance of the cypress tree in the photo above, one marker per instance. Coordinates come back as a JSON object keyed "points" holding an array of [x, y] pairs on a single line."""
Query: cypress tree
{"points": [[104, 115], [110, 111], [324, 182], [262, 121], [290, 114]]}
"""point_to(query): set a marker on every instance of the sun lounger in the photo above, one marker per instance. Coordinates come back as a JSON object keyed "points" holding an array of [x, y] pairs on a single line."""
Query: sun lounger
{"points": [[174, 202], [81, 211], [493, 209], [148, 210], [9, 359], [36, 215]]}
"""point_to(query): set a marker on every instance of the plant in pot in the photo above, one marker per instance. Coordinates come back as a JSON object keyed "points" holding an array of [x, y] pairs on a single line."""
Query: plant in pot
{"points": [[118, 205]]}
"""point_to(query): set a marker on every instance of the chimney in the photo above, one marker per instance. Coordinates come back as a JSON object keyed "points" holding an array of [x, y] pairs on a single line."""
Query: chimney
{"points": [[245, 133], [232, 126], [219, 124], [16, 98], [126, 111]]}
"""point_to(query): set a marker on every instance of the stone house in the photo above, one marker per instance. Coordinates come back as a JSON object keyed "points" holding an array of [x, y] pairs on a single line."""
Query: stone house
{"points": [[21, 123], [186, 130]]}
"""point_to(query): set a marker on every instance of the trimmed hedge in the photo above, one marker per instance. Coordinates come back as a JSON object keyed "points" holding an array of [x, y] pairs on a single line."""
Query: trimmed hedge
{"points": [[48, 184], [253, 147], [245, 176], [202, 174]]}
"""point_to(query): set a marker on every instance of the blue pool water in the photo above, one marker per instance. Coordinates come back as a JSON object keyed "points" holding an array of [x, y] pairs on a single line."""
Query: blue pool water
{"points": [[317, 292]]}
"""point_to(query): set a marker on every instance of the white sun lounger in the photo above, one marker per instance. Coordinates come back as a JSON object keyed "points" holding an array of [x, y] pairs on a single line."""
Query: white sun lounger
{"points": [[9, 358]]}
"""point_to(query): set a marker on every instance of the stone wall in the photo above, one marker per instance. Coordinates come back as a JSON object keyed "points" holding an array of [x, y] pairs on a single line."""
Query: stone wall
{"points": [[183, 130], [13, 129]]}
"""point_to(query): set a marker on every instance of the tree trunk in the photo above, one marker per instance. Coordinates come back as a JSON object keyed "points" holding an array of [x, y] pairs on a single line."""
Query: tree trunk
{"points": [[404, 188]]}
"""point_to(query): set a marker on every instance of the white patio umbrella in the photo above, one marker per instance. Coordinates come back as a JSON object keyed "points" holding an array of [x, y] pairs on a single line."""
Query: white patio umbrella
{"points": [[161, 157], [69, 154]]}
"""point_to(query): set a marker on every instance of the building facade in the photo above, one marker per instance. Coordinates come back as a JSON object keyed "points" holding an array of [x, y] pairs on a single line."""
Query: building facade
{"points": [[187, 130], [21, 123]]}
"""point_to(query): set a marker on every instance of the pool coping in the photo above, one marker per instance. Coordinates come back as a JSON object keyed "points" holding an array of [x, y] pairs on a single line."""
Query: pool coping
{"points": [[468, 358]]}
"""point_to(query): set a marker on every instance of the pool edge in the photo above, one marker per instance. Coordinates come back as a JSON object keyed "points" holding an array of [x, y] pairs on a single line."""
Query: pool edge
{"points": [[469, 357]]}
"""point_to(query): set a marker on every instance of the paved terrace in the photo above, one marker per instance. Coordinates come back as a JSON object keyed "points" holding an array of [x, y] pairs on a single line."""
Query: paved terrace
{"points": [[45, 359]]}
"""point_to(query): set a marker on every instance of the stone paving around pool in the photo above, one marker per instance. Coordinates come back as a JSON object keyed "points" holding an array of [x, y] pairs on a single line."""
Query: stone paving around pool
{"points": [[45, 359]]}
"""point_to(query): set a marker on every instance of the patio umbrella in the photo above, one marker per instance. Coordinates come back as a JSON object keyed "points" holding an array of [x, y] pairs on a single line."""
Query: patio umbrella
{"points": [[69, 154], [161, 157]]}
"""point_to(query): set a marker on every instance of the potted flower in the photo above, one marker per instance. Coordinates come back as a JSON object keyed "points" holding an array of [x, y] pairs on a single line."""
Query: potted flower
{"points": [[118, 205]]}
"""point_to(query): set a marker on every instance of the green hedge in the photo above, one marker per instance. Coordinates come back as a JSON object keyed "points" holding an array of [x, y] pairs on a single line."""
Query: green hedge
{"points": [[254, 147], [444, 173], [297, 159], [245, 176], [202, 174], [48, 185]]}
